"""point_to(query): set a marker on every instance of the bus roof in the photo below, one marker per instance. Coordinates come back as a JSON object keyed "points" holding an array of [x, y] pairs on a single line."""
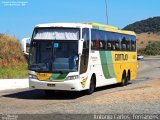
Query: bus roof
{"points": [[74, 25], [110, 28], [88, 25]]}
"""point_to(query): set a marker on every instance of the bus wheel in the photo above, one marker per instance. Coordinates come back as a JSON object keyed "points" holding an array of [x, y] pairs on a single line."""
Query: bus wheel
{"points": [[49, 92], [124, 79], [128, 77], [92, 86]]}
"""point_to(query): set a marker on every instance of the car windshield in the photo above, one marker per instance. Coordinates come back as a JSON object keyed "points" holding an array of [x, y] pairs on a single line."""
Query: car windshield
{"points": [[54, 56]]}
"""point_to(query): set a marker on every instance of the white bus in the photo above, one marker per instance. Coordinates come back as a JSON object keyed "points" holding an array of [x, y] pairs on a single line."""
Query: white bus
{"points": [[80, 56]]}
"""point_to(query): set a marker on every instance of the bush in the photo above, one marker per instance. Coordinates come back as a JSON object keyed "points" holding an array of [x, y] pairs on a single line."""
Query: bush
{"points": [[151, 49]]}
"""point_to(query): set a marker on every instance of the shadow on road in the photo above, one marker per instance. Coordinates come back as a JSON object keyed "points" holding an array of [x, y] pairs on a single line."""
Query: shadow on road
{"points": [[40, 95], [58, 95]]}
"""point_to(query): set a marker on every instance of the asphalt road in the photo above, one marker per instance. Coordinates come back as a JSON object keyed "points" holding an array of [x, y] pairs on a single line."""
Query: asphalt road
{"points": [[139, 97]]}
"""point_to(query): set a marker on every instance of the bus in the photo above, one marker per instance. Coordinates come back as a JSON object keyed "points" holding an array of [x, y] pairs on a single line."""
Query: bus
{"points": [[80, 56]]}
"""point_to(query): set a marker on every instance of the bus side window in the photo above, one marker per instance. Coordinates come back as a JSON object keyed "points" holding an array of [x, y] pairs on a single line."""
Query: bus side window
{"points": [[123, 46], [101, 45], [113, 45], [105, 45], [117, 42], [117, 46], [128, 43], [92, 44], [109, 46], [93, 39], [105, 40], [133, 45], [123, 43]]}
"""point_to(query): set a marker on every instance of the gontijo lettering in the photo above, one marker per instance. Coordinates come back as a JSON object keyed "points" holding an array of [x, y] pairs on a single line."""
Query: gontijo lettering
{"points": [[121, 57]]}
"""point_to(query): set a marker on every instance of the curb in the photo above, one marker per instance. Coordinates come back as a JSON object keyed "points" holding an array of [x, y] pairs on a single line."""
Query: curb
{"points": [[6, 84]]}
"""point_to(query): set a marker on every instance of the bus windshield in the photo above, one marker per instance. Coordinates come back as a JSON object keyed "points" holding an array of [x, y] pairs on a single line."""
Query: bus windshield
{"points": [[56, 56], [56, 33]]}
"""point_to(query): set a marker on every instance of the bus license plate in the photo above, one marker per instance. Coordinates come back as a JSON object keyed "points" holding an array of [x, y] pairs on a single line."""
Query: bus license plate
{"points": [[51, 85]]}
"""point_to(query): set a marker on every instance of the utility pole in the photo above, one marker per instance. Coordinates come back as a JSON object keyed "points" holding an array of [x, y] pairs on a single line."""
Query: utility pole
{"points": [[106, 11]]}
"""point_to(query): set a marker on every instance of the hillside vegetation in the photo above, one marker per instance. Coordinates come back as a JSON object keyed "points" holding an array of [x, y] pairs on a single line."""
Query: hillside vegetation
{"points": [[148, 35], [12, 61], [152, 49], [143, 26]]}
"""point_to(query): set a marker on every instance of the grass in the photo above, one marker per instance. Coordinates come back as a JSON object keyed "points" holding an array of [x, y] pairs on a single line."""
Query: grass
{"points": [[12, 61], [14, 72]]}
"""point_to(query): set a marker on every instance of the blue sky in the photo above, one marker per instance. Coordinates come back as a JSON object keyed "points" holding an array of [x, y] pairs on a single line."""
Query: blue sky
{"points": [[19, 21]]}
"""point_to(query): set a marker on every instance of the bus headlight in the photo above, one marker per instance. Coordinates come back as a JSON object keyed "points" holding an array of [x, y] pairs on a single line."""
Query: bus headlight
{"points": [[33, 77], [72, 77]]}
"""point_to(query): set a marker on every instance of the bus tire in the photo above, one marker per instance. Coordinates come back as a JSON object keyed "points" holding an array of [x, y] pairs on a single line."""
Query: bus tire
{"points": [[49, 92], [124, 79], [92, 86], [128, 77]]}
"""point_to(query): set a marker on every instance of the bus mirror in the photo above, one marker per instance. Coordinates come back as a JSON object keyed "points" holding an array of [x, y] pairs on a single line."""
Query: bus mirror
{"points": [[80, 46], [25, 44]]}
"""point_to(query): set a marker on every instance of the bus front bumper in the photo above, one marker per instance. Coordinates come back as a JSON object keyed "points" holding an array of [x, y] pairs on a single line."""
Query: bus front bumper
{"points": [[69, 85]]}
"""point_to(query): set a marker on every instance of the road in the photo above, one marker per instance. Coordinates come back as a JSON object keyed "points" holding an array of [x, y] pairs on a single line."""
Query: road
{"points": [[141, 96]]}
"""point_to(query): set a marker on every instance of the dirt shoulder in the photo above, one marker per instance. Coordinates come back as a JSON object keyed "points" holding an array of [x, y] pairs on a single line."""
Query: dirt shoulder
{"points": [[149, 91]]}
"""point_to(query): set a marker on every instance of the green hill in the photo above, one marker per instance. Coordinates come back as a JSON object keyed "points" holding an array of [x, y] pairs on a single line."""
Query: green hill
{"points": [[148, 35], [12, 61], [143, 26]]}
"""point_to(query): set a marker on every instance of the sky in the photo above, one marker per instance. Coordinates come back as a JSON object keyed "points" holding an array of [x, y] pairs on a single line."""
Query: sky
{"points": [[19, 17]]}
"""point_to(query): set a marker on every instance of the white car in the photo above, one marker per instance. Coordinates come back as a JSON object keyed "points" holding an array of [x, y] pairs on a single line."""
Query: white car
{"points": [[139, 57]]}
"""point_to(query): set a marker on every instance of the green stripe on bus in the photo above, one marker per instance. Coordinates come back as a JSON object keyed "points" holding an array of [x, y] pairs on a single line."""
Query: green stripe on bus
{"points": [[59, 76], [107, 65]]}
